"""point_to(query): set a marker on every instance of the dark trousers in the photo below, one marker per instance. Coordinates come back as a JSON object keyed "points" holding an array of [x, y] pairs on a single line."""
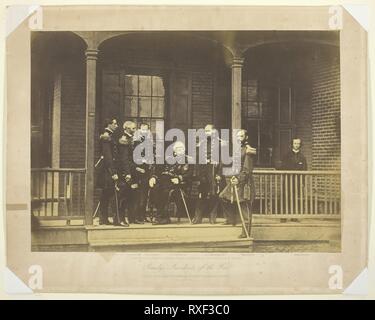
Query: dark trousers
{"points": [[129, 202], [107, 194], [232, 214], [209, 205], [142, 202], [166, 196]]}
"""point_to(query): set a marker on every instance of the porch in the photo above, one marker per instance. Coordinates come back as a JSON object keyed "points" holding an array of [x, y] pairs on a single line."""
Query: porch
{"points": [[277, 85]]}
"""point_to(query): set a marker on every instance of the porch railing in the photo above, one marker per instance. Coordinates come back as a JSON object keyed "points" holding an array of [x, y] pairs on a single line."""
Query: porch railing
{"points": [[58, 193], [297, 193]]}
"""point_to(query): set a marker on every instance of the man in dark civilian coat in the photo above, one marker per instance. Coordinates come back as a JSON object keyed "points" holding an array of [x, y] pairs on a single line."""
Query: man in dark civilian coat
{"points": [[295, 160]]}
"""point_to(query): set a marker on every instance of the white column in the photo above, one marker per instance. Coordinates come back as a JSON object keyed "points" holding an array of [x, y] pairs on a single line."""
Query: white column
{"points": [[91, 58], [237, 65]]}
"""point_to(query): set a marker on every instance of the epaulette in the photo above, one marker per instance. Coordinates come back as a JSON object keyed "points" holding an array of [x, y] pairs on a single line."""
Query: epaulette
{"points": [[105, 136], [124, 140], [189, 158]]}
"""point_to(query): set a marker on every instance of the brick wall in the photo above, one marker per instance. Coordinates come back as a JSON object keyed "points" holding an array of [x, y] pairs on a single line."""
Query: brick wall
{"points": [[325, 102], [303, 121]]}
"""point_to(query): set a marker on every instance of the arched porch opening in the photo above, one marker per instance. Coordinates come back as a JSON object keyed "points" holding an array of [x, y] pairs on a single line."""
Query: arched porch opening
{"points": [[280, 87], [57, 98], [181, 79]]}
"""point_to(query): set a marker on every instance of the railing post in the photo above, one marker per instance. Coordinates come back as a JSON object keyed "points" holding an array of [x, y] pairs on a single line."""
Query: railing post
{"points": [[91, 58]]}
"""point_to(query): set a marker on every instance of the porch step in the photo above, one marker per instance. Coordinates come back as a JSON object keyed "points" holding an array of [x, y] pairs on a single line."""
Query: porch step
{"points": [[185, 237]]}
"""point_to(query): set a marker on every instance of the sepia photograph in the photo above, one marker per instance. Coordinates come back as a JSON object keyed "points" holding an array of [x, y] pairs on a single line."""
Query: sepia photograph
{"points": [[189, 97], [186, 150]]}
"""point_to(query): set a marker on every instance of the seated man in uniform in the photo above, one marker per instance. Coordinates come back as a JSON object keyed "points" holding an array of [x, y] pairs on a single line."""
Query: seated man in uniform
{"points": [[171, 182]]}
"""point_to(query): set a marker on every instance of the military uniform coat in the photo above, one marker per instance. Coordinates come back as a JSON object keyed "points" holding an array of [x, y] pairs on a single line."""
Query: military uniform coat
{"points": [[245, 186], [107, 166]]}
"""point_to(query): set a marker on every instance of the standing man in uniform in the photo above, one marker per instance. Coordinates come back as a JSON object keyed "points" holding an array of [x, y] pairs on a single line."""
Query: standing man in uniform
{"points": [[171, 182], [142, 173], [244, 184], [107, 175], [127, 169], [211, 182]]}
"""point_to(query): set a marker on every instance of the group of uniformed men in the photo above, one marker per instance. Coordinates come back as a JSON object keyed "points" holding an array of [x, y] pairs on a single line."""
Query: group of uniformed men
{"points": [[133, 185]]}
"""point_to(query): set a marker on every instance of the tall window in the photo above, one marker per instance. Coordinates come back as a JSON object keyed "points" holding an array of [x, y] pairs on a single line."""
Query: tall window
{"points": [[144, 99], [267, 113]]}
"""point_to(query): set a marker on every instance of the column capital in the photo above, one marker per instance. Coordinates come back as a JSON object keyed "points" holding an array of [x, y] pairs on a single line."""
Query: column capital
{"points": [[91, 54], [237, 62]]}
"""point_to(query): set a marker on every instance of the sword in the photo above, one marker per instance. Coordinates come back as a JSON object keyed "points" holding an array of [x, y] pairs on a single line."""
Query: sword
{"points": [[240, 211], [96, 210], [249, 218], [148, 204], [116, 200], [100, 160], [186, 208]]}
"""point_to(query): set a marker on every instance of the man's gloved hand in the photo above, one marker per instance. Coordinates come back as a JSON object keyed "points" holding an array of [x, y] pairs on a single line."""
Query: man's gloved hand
{"points": [[128, 177], [250, 150], [141, 170], [175, 181], [152, 182], [234, 180], [115, 177]]}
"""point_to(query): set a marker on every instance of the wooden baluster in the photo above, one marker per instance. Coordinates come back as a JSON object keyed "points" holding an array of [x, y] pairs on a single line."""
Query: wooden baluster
{"points": [[39, 175], [291, 194], [83, 195], [335, 195], [282, 193], [65, 190], [79, 194], [276, 194], [301, 194], [287, 211], [71, 200], [271, 194], [331, 194], [266, 193], [45, 192], [305, 178], [326, 188], [311, 194], [52, 191], [296, 209], [58, 193], [261, 193], [315, 195]]}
